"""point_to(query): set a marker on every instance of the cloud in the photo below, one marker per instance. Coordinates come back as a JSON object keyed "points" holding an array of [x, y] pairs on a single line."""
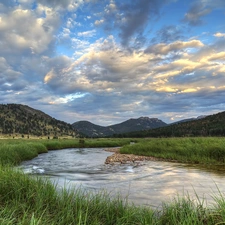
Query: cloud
{"points": [[7, 75], [31, 35], [219, 34], [194, 16], [87, 34], [55, 58], [164, 49], [26, 40], [201, 8], [69, 5], [5, 5], [136, 16], [109, 71], [99, 22], [168, 34], [56, 66], [129, 18]]}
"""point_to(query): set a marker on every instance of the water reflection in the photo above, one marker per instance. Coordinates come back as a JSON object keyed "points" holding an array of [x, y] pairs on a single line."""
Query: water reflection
{"points": [[147, 183]]}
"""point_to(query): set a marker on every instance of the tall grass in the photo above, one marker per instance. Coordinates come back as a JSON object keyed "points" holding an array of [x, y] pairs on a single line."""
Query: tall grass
{"points": [[25, 201], [188, 150], [18, 152], [184, 210]]}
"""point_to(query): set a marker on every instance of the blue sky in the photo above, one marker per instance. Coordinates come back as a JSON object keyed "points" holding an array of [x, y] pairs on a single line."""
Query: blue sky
{"points": [[110, 60]]}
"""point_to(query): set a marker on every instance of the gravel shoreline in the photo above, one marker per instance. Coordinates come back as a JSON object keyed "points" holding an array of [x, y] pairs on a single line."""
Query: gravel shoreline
{"points": [[117, 157]]}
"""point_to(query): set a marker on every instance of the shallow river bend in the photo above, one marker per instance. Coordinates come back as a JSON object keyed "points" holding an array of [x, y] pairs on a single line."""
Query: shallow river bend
{"points": [[144, 183]]}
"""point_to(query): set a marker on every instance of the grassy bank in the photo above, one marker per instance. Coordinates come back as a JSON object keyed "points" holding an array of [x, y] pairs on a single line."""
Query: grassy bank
{"points": [[33, 201], [15, 151], [27, 201], [187, 150]]}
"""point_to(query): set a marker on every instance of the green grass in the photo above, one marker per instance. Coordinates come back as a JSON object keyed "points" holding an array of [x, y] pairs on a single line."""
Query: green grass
{"points": [[15, 151], [18, 152], [25, 200], [187, 150], [34, 201]]}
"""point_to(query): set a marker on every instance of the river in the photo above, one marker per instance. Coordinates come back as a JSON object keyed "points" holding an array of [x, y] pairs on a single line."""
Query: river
{"points": [[143, 183]]}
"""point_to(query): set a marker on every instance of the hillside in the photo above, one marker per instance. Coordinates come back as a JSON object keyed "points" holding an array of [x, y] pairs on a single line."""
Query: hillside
{"points": [[91, 130], [188, 120], [213, 125], [143, 123], [24, 120]]}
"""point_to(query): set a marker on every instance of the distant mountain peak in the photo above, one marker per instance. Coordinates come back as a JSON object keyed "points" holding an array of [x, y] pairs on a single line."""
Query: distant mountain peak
{"points": [[142, 123], [144, 118]]}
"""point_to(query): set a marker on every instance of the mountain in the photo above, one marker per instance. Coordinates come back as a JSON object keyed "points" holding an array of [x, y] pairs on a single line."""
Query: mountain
{"points": [[17, 119], [213, 125], [189, 119], [21, 119], [91, 130], [143, 123]]}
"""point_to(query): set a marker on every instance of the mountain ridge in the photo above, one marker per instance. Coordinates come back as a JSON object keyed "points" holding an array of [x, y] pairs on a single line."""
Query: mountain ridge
{"points": [[211, 125], [24, 120], [142, 123]]}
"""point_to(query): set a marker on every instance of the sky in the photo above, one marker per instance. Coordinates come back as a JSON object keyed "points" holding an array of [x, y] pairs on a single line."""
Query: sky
{"points": [[107, 61]]}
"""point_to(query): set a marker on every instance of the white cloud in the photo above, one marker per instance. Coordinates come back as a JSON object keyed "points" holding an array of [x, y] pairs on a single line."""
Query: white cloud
{"points": [[22, 31], [87, 34], [164, 49], [62, 5], [219, 34], [99, 22]]}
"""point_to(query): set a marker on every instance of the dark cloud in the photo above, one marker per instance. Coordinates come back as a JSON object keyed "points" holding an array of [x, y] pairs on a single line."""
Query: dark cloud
{"points": [[19, 85], [219, 45], [130, 18], [95, 103], [136, 15], [189, 104], [194, 16], [7, 3], [104, 107], [168, 34], [59, 62]]}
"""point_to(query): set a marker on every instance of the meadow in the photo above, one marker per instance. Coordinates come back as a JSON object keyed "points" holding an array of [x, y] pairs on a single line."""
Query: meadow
{"points": [[27, 200], [210, 150]]}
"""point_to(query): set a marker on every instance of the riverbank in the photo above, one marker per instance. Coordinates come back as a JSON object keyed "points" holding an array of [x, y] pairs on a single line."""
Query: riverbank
{"points": [[14, 151], [206, 151]]}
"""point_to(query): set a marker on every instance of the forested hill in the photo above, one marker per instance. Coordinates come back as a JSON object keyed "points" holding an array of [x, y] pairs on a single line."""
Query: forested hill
{"points": [[22, 119], [213, 125], [93, 130]]}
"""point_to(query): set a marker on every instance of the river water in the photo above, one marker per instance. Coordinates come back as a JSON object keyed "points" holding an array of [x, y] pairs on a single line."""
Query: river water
{"points": [[142, 183]]}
